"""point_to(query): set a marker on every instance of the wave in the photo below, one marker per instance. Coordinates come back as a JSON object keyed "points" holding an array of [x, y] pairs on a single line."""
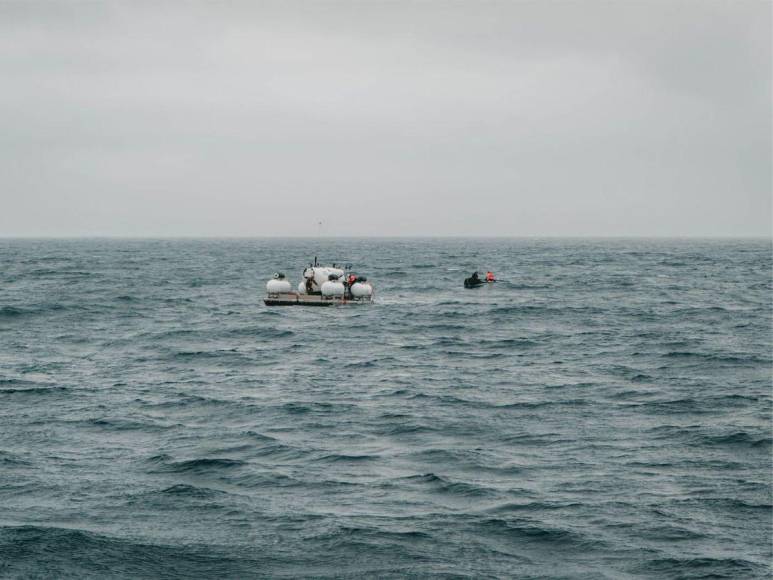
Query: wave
{"points": [[203, 353], [445, 399], [727, 503], [15, 312], [347, 458], [207, 465], [439, 484], [126, 424], [182, 489], [12, 312], [474, 355], [271, 480], [280, 452], [24, 387], [676, 406], [546, 310], [184, 400], [541, 404], [446, 327], [406, 429], [260, 332], [371, 552], [47, 272], [518, 530], [719, 358], [523, 421], [9, 459], [258, 436], [691, 405], [696, 435], [534, 506], [301, 408], [670, 533], [36, 551], [170, 496], [367, 364], [524, 286], [178, 300], [688, 567], [739, 438]]}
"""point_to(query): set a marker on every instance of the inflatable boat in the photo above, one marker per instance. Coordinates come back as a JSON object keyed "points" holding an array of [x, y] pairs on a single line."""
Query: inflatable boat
{"points": [[476, 282], [320, 286]]}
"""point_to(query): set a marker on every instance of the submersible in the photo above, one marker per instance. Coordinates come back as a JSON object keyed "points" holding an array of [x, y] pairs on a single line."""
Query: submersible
{"points": [[320, 286]]}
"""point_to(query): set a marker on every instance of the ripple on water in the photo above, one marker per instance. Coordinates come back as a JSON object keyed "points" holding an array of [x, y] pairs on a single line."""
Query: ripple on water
{"points": [[579, 419]]}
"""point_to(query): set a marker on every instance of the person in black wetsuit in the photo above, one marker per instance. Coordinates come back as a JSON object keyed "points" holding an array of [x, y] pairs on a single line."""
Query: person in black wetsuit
{"points": [[472, 281]]}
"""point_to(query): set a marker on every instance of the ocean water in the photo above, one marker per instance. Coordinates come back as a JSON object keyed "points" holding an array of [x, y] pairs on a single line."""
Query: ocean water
{"points": [[604, 411]]}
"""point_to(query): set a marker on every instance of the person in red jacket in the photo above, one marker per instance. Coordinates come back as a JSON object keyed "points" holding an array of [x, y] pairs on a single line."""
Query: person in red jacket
{"points": [[490, 277], [348, 285]]}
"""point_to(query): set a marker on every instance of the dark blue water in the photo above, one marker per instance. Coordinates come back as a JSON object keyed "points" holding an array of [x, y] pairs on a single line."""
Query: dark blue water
{"points": [[604, 412]]}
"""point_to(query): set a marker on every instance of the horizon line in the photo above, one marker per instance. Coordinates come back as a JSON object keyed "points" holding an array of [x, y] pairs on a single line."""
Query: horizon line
{"points": [[387, 237]]}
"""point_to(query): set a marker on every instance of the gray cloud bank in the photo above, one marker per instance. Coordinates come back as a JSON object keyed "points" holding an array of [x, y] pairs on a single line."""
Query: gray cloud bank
{"points": [[385, 118]]}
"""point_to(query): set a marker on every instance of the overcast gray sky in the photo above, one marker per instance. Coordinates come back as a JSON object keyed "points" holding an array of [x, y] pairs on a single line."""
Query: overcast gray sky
{"points": [[385, 118]]}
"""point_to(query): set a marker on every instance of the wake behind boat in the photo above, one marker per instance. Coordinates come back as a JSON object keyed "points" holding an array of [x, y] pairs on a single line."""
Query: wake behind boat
{"points": [[319, 286]]}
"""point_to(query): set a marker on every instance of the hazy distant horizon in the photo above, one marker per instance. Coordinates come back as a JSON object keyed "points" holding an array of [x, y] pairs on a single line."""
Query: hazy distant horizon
{"points": [[768, 238], [387, 119]]}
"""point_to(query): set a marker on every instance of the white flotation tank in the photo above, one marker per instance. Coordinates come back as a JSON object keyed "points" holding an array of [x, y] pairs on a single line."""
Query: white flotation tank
{"points": [[362, 290], [301, 287], [332, 288], [321, 274], [278, 285]]}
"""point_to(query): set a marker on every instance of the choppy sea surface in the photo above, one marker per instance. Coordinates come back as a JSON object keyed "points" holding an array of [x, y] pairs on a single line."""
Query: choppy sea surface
{"points": [[604, 411]]}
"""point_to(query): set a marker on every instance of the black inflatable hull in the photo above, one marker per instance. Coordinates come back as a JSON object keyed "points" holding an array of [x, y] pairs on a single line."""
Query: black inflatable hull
{"points": [[469, 284]]}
